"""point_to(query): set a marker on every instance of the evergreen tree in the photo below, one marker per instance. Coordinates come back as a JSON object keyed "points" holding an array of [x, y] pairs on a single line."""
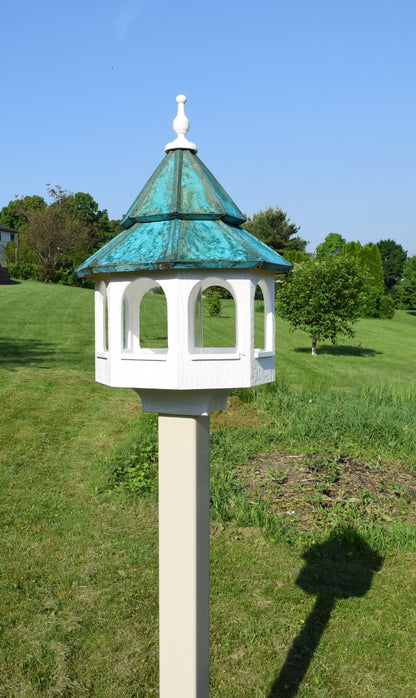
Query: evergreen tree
{"points": [[273, 227], [393, 257], [296, 256], [368, 259], [407, 287], [352, 249], [371, 260]]}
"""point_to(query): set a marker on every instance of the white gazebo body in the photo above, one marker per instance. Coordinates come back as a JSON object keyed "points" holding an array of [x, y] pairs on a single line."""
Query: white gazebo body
{"points": [[183, 366]]}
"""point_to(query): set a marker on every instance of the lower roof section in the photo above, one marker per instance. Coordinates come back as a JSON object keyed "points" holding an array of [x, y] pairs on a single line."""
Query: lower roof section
{"points": [[177, 243]]}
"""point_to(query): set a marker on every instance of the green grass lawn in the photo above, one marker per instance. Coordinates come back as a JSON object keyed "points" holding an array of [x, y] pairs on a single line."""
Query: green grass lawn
{"points": [[329, 616]]}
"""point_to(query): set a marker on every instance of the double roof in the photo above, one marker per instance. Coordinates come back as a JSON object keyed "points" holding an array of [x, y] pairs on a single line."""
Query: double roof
{"points": [[182, 219]]}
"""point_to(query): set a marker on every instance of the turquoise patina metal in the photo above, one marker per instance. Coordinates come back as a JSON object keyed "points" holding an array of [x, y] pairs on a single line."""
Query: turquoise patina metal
{"points": [[182, 218], [183, 187]]}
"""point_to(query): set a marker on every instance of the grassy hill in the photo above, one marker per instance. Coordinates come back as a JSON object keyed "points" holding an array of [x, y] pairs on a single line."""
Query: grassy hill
{"points": [[333, 441]]}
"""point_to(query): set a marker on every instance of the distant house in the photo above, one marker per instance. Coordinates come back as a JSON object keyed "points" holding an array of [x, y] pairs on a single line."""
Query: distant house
{"points": [[6, 235]]}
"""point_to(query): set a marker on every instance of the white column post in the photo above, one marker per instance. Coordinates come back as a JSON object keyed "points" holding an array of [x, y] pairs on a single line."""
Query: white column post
{"points": [[184, 556]]}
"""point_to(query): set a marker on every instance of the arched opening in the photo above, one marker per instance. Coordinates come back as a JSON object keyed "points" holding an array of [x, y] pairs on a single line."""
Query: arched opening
{"points": [[212, 316], [101, 313], [259, 319], [127, 337], [153, 313], [263, 319], [144, 317], [106, 324]]}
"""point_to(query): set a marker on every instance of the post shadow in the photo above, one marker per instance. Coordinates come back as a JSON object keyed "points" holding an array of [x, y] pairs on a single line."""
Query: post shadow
{"points": [[341, 567]]}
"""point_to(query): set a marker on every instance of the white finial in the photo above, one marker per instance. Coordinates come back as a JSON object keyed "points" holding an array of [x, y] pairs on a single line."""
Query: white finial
{"points": [[181, 128]]}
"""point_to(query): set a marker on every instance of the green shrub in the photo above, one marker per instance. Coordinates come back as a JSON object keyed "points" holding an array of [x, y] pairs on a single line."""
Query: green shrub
{"points": [[25, 270], [385, 308], [69, 277], [370, 297]]}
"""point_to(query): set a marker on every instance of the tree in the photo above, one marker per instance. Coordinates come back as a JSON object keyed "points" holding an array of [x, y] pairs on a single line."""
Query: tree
{"points": [[275, 229], [371, 260], [213, 299], [407, 287], [332, 245], [368, 259], [86, 210], [393, 257], [296, 256], [57, 236], [113, 229], [322, 298], [14, 214]]}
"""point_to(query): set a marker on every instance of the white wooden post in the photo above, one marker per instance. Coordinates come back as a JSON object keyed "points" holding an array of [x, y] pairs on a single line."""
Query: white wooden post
{"points": [[184, 556]]}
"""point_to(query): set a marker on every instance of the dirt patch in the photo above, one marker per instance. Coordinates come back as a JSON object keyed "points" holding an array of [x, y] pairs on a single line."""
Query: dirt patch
{"points": [[237, 414], [319, 488]]}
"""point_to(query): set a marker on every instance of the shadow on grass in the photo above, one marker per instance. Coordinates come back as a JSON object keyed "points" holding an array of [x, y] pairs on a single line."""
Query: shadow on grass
{"points": [[154, 342], [29, 352], [340, 350], [341, 567]]}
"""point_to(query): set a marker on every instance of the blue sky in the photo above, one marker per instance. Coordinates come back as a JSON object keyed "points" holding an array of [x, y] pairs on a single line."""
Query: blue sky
{"points": [[306, 105]]}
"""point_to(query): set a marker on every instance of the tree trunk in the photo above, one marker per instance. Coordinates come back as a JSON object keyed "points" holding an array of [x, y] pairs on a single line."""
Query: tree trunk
{"points": [[314, 346]]}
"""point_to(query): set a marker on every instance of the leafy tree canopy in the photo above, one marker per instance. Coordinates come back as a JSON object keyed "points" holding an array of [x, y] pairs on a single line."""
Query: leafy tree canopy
{"points": [[332, 245], [393, 257], [14, 214], [55, 238], [81, 206], [322, 298], [113, 229], [84, 208], [275, 229], [57, 235]]}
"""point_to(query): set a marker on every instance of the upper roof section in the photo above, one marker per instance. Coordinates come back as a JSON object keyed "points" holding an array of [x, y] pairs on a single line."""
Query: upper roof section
{"points": [[182, 187], [182, 218]]}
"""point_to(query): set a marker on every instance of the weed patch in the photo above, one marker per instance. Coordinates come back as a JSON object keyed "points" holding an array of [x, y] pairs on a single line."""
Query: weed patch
{"points": [[294, 498], [319, 493], [135, 463]]}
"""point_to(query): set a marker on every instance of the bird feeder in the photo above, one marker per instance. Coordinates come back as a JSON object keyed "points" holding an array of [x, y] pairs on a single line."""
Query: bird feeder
{"points": [[182, 236]]}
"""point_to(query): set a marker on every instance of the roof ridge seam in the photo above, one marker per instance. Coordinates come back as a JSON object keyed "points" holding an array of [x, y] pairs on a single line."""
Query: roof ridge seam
{"points": [[177, 177]]}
